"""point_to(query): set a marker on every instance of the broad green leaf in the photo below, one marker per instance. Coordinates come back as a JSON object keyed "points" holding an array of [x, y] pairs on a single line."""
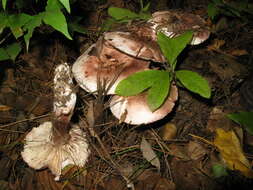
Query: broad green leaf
{"points": [[136, 83], [243, 118], [157, 82], [172, 47], [159, 91], [4, 2], [4, 21], [16, 22], [30, 26], [3, 55], [219, 170], [55, 18], [65, 3], [194, 82], [120, 14], [13, 50]]}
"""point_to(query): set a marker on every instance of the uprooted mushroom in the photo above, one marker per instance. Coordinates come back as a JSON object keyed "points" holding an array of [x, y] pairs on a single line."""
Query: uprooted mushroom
{"points": [[119, 54], [58, 143]]}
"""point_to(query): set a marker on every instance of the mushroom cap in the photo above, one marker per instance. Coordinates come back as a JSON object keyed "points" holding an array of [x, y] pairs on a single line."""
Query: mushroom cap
{"points": [[104, 62], [132, 44], [41, 152], [64, 95], [174, 23], [134, 109]]}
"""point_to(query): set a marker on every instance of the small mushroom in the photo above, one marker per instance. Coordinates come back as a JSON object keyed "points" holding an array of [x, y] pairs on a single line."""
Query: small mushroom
{"points": [[134, 109], [104, 62], [57, 143], [174, 23]]}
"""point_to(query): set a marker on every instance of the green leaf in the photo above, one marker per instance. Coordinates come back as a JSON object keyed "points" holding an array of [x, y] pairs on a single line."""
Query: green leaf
{"points": [[4, 21], [243, 118], [13, 50], [10, 52], [65, 3], [194, 82], [16, 22], [30, 26], [159, 91], [4, 2], [157, 82], [212, 10], [172, 47], [55, 18], [3, 55], [219, 170], [74, 26], [121, 14], [136, 83]]}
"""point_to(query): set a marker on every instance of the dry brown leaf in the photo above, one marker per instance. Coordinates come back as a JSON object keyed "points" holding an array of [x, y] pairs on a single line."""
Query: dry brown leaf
{"points": [[237, 52], [196, 150], [149, 154], [4, 108], [230, 149], [216, 45]]}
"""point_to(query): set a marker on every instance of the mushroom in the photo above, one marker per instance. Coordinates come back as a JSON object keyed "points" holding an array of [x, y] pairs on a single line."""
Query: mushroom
{"points": [[105, 63], [134, 109], [58, 143], [174, 23]]}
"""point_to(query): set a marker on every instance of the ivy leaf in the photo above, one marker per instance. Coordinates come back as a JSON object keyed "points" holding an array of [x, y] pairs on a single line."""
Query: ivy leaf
{"points": [[65, 3], [243, 118], [194, 82], [219, 170], [30, 26], [55, 18], [172, 47], [10, 52], [121, 14], [157, 82]]}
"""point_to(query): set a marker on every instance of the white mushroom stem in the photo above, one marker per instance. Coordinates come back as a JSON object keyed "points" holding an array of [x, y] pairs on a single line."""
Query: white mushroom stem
{"points": [[58, 143], [135, 110]]}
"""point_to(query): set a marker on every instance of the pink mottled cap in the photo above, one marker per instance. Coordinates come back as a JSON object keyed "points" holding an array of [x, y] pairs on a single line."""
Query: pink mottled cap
{"points": [[104, 62], [134, 109]]}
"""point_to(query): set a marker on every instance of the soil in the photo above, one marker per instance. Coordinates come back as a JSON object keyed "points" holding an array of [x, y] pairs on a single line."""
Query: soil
{"points": [[116, 161]]}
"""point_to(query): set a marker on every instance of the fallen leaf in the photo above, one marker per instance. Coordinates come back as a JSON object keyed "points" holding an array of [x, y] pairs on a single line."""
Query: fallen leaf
{"points": [[230, 149], [237, 52], [149, 154], [165, 184], [216, 45], [196, 150], [168, 132], [4, 108]]}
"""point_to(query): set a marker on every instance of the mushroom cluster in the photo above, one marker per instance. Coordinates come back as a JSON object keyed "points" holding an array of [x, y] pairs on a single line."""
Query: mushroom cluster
{"points": [[116, 55]]}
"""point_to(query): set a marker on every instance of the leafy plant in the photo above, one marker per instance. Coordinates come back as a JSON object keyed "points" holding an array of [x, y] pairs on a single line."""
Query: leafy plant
{"points": [[23, 25], [243, 118], [122, 15], [229, 8], [157, 82]]}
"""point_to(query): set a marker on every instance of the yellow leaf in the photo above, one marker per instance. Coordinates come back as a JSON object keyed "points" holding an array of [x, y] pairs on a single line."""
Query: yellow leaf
{"points": [[230, 149]]}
